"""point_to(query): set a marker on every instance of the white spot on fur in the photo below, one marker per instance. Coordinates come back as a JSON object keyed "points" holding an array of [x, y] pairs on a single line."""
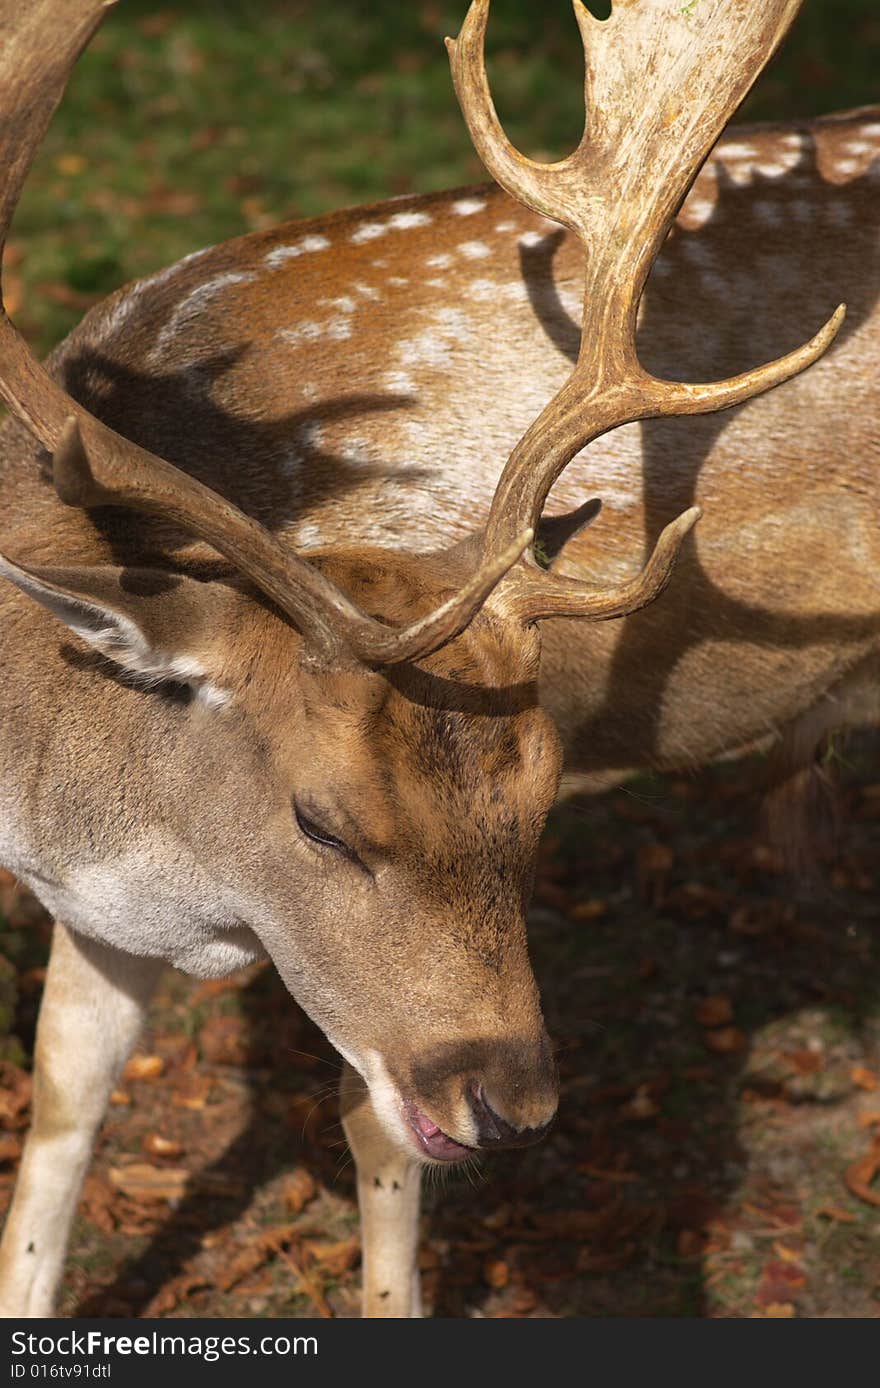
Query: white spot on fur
{"points": [[474, 250], [367, 291], [530, 239], [306, 331], [193, 305], [399, 382], [307, 536], [466, 207], [737, 149], [307, 246], [439, 262], [369, 231], [697, 212], [402, 221], [847, 166], [343, 303], [397, 280], [482, 290]]}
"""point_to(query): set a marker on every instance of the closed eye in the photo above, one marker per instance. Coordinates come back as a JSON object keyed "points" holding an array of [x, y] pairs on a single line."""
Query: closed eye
{"points": [[317, 834]]}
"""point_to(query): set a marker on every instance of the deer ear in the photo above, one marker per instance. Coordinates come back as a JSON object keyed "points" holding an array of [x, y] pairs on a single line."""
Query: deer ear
{"points": [[155, 624]]}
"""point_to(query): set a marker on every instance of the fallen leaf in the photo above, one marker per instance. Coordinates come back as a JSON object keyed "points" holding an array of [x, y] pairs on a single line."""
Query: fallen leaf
{"points": [[804, 1062], [834, 1212], [496, 1273], [725, 1041], [71, 164], [335, 1258], [863, 1077], [498, 1218], [587, 910], [10, 1147], [141, 1181], [224, 1041], [96, 1203], [299, 1188], [860, 1175], [780, 1310], [641, 1106], [788, 1255], [13, 293], [690, 1244], [120, 1098], [176, 1292], [714, 1011], [868, 1120], [144, 1067], [157, 1146], [193, 1092]]}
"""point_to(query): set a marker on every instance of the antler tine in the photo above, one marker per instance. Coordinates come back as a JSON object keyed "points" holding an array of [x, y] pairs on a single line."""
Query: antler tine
{"points": [[94, 466], [653, 114]]}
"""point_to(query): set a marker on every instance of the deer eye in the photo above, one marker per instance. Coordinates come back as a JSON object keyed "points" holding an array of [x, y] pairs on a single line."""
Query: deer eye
{"points": [[314, 832]]}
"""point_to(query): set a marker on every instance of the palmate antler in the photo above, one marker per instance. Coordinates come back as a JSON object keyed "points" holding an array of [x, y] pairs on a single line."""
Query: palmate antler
{"points": [[597, 191], [662, 80], [94, 466]]}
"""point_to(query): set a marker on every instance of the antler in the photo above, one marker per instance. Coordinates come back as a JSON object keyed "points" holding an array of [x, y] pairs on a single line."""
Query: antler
{"points": [[662, 79], [94, 466]]}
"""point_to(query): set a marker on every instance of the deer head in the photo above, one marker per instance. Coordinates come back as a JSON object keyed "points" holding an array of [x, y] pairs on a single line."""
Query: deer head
{"points": [[346, 758]]}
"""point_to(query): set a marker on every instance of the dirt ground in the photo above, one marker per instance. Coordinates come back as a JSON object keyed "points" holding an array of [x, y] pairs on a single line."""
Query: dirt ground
{"points": [[718, 1141]]}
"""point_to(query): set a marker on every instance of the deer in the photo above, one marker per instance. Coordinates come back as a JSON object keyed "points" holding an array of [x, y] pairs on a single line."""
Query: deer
{"points": [[257, 704]]}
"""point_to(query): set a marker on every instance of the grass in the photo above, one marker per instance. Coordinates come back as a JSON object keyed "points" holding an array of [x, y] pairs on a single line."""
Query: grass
{"points": [[187, 125]]}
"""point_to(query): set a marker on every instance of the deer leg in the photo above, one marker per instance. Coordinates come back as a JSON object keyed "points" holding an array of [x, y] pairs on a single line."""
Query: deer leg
{"points": [[388, 1185], [92, 1010]]}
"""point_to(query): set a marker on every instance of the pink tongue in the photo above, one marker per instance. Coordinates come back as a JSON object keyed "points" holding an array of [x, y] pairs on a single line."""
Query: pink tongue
{"points": [[424, 1125]]}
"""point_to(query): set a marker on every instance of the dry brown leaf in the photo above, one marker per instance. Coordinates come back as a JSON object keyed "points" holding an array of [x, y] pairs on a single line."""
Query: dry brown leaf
{"points": [[224, 1041], [96, 1203], [587, 910], [725, 1041], [690, 1244], [155, 1145], [788, 1255], [141, 1181], [498, 1218], [804, 1062], [13, 293], [868, 1120], [143, 1067], [780, 1310], [10, 1147], [175, 1292], [714, 1011], [835, 1212], [70, 164], [641, 1106], [193, 1092], [16, 1088], [120, 1098], [497, 1273], [860, 1175], [299, 1188], [335, 1258], [863, 1077]]}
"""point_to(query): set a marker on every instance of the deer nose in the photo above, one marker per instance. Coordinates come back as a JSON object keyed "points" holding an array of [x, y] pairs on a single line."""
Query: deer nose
{"points": [[495, 1131]]}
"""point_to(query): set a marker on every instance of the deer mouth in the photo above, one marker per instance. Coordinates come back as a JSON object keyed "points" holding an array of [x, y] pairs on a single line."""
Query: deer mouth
{"points": [[436, 1144]]}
